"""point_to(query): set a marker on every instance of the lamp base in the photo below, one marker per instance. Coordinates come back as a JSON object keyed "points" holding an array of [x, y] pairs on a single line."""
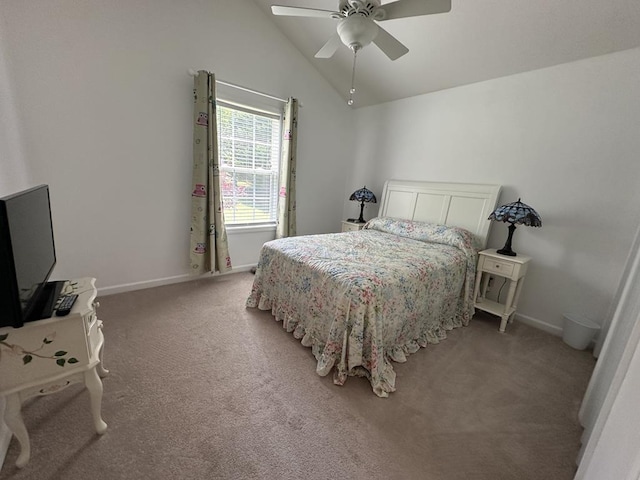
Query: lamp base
{"points": [[506, 250], [361, 218]]}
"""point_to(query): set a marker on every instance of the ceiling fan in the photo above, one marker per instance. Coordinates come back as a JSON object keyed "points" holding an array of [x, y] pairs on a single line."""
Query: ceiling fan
{"points": [[357, 25]]}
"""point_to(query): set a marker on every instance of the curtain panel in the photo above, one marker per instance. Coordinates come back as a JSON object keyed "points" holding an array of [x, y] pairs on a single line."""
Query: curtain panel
{"points": [[286, 226], [209, 249]]}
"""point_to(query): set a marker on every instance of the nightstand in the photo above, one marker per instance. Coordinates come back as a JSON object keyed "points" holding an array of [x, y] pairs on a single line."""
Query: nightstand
{"points": [[513, 269], [348, 226]]}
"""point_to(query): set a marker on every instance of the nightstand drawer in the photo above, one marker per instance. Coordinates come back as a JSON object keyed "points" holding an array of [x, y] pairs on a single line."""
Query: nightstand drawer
{"points": [[501, 268], [351, 226]]}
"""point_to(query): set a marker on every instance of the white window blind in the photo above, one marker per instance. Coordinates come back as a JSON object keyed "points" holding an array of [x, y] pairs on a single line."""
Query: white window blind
{"points": [[249, 150]]}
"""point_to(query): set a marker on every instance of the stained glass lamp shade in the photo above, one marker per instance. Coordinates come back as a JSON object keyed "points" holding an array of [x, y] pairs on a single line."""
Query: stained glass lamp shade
{"points": [[363, 196], [516, 213]]}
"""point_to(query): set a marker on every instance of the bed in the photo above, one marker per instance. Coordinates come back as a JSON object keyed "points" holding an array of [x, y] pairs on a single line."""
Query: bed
{"points": [[364, 299]]}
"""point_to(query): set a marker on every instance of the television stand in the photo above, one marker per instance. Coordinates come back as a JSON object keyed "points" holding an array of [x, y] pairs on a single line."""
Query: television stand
{"points": [[46, 356]]}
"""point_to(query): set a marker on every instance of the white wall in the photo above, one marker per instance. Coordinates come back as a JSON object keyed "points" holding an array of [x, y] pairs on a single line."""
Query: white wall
{"points": [[104, 104], [14, 172], [565, 139]]}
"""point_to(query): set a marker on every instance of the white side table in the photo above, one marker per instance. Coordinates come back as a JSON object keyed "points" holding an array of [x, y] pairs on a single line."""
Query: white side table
{"points": [[348, 226], [514, 269], [46, 356]]}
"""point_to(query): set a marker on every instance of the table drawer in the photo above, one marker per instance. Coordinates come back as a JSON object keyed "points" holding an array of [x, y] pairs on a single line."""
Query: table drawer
{"points": [[496, 266], [351, 227]]}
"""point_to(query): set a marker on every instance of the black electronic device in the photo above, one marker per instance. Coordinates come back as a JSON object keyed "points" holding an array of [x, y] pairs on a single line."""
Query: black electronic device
{"points": [[27, 257], [64, 307]]}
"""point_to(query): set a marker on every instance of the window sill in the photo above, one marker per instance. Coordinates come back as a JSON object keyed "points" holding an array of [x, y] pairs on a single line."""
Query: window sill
{"points": [[234, 229]]}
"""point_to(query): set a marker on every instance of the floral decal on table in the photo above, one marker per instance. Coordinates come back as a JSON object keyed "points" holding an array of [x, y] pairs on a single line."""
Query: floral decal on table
{"points": [[59, 356]]}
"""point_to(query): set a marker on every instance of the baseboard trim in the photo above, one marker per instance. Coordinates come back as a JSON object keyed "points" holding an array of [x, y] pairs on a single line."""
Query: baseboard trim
{"points": [[130, 287], [539, 324]]}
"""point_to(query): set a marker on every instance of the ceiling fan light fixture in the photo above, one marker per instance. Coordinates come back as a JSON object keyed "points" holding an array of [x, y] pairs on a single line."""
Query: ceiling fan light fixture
{"points": [[357, 31]]}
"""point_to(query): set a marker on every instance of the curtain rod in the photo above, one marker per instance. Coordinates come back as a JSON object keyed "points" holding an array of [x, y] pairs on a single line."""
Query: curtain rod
{"points": [[194, 73]]}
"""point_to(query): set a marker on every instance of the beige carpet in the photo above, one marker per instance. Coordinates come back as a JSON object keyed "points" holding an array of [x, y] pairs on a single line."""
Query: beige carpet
{"points": [[201, 388]]}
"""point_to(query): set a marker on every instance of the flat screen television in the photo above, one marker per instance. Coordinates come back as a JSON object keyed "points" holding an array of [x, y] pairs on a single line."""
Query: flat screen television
{"points": [[27, 257]]}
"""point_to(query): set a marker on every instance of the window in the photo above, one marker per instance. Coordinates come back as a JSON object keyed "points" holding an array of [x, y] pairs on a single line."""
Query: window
{"points": [[249, 151]]}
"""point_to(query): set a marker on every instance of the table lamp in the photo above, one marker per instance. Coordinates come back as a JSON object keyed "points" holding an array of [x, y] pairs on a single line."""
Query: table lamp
{"points": [[363, 195], [516, 213]]}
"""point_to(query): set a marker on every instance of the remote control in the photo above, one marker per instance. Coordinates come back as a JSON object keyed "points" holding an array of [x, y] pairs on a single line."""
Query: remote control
{"points": [[65, 305]]}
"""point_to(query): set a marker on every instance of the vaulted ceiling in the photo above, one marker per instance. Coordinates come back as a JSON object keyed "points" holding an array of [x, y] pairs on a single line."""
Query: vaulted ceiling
{"points": [[477, 40]]}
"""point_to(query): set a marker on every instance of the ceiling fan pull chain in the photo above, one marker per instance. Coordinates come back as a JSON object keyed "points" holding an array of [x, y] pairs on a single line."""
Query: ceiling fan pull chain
{"points": [[352, 90]]}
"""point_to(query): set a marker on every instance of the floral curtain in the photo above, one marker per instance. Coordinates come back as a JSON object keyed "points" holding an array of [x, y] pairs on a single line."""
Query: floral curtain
{"points": [[209, 249], [286, 226]]}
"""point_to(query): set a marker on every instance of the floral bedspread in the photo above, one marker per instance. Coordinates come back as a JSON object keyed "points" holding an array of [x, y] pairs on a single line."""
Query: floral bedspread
{"points": [[362, 299]]}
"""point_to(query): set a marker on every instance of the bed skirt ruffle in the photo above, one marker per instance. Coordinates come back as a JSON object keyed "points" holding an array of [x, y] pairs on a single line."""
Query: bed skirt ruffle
{"points": [[328, 357]]}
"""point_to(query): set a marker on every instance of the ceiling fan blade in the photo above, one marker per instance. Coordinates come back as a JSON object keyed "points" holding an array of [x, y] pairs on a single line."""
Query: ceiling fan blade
{"points": [[391, 47], [330, 47], [414, 8], [300, 12]]}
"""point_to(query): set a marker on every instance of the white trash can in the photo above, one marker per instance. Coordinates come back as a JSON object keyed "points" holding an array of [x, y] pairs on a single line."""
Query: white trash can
{"points": [[578, 331]]}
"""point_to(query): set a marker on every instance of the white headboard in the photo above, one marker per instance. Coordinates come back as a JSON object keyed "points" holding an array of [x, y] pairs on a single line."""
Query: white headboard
{"points": [[465, 205]]}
